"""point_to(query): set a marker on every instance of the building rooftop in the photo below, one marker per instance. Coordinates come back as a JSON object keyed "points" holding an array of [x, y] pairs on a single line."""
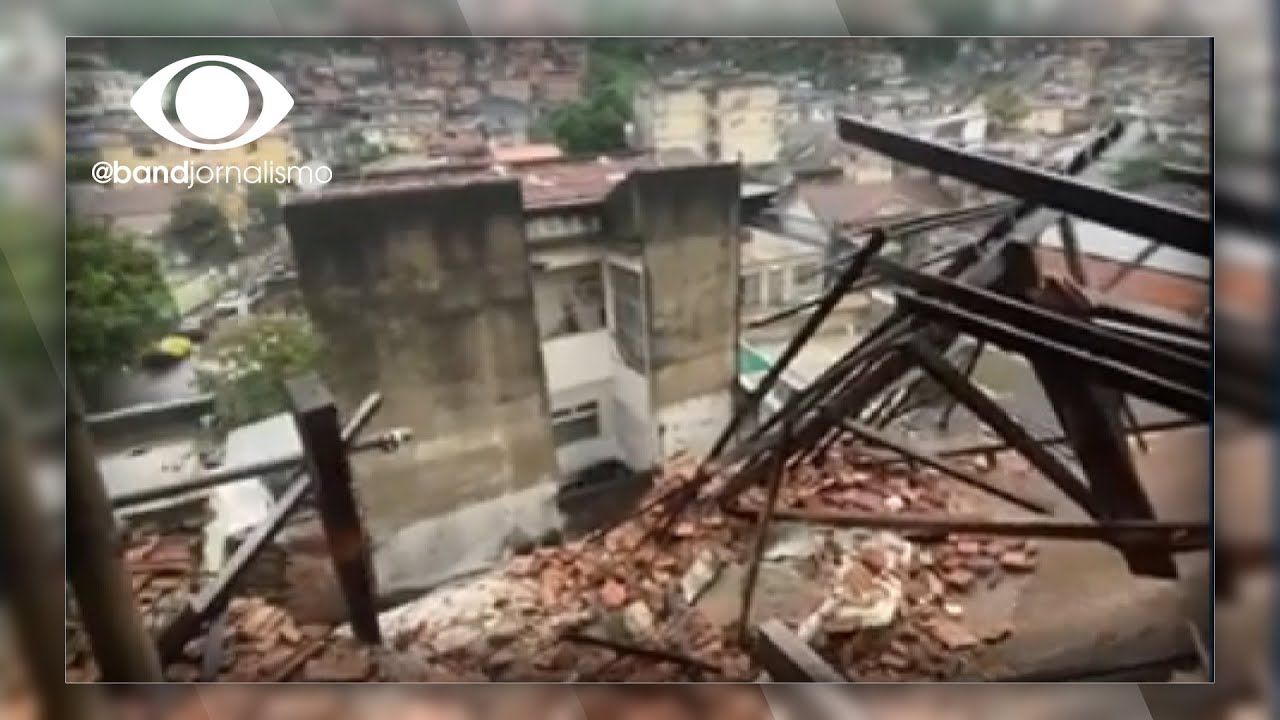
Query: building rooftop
{"points": [[847, 203], [531, 152], [545, 184]]}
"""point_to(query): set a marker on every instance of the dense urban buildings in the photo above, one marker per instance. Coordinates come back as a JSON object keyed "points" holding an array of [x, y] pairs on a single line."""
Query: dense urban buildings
{"points": [[564, 267]]}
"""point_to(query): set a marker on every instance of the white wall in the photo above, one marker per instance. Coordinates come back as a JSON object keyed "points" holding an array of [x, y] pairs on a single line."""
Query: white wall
{"points": [[572, 361], [576, 457], [634, 428]]}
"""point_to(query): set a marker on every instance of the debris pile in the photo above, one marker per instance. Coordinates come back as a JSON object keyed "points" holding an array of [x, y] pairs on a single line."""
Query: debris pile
{"points": [[162, 570], [657, 598], [257, 640]]}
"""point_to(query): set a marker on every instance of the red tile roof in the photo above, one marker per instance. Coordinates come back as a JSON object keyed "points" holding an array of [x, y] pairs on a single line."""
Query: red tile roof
{"points": [[845, 203], [1180, 293]]}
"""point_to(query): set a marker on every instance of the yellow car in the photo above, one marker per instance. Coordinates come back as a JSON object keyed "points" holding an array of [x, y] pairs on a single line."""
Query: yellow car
{"points": [[168, 350]]}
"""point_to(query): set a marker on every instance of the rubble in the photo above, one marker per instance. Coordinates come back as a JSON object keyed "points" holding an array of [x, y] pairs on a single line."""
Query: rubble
{"points": [[874, 603]]}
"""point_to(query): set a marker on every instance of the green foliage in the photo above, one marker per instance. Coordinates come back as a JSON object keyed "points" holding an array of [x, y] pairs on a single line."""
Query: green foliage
{"points": [[246, 365], [117, 301], [926, 54], [597, 122], [200, 231], [1005, 106]]}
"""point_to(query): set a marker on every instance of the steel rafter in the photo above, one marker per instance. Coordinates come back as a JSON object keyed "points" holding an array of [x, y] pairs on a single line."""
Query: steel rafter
{"points": [[1123, 211]]}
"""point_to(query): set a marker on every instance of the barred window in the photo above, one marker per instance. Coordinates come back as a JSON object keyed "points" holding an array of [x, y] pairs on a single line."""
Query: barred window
{"points": [[576, 424], [628, 317]]}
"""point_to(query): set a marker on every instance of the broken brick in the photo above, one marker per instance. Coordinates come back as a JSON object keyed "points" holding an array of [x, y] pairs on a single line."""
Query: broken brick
{"points": [[876, 559], [958, 578], [951, 634], [613, 594], [340, 663], [1017, 561], [894, 661]]}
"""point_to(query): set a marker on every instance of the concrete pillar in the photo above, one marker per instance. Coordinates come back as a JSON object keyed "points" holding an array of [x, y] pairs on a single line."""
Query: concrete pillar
{"points": [[687, 221], [424, 292]]}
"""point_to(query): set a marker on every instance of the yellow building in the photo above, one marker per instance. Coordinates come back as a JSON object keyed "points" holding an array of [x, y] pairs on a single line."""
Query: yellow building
{"points": [[725, 119], [143, 148], [132, 149], [746, 120]]}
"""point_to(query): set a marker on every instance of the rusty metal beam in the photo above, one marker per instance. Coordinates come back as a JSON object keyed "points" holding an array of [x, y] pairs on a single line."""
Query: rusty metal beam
{"points": [[1131, 213], [1001, 447], [1180, 537], [316, 415], [927, 459], [802, 336], [1192, 400], [214, 596], [788, 659], [386, 442], [1056, 326], [995, 417], [782, 453], [1091, 417], [1071, 248], [944, 419]]}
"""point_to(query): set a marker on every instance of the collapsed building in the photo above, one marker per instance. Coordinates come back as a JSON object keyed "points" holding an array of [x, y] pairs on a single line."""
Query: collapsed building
{"points": [[939, 560]]}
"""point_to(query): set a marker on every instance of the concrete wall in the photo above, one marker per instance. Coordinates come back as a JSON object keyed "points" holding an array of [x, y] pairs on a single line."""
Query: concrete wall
{"points": [[687, 221], [424, 294]]}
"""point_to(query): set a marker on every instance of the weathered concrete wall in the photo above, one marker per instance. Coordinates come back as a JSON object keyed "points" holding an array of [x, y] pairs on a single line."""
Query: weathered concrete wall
{"points": [[687, 221], [424, 294]]}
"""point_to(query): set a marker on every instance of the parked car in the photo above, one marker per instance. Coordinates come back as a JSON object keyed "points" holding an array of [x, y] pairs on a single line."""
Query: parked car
{"points": [[169, 351]]}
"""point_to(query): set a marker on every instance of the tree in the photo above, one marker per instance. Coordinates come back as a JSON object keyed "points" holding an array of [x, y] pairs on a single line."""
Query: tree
{"points": [[597, 122], [1006, 107], [198, 229], [117, 301], [248, 363]]}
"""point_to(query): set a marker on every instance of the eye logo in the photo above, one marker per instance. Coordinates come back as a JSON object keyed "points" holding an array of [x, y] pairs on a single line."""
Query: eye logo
{"points": [[212, 102]]}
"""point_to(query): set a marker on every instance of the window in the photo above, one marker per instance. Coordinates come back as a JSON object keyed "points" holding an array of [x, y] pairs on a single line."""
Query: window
{"points": [[253, 146], [575, 424], [629, 317], [146, 151], [776, 284], [750, 288], [806, 278], [569, 301]]}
